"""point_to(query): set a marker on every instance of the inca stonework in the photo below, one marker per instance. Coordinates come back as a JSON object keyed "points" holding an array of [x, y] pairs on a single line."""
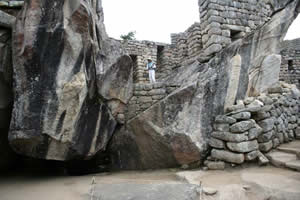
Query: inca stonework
{"points": [[77, 93], [290, 66]]}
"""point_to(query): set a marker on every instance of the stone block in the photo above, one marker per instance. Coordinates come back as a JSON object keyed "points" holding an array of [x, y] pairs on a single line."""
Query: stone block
{"points": [[228, 156], [229, 137], [262, 159], [267, 124], [297, 133], [145, 99], [235, 108], [221, 127], [242, 116], [215, 165], [242, 126], [249, 100], [255, 103], [261, 115], [243, 147], [265, 137], [6, 20], [157, 92], [266, 100], [266, 147], [276, 143], [212, 49], [254, 132], [225, 119], [216, 143], [251, 155]]}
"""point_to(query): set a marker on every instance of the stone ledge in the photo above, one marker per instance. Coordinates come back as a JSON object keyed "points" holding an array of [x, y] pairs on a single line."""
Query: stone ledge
{"points": [[11, 4], [6, 20]]}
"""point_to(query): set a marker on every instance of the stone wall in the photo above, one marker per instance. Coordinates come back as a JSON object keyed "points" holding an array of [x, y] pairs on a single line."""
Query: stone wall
{"points": [[255, 126], [187, 45], [225, 21], [162, 54], [290, 66], [145, 95]]}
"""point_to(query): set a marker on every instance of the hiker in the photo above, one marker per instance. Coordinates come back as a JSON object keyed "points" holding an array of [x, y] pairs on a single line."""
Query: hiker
{"points": [[151, 68]]}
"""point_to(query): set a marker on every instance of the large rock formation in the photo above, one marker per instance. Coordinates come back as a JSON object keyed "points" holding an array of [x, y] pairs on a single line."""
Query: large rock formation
{"points": [[67, 99], [6, 100], [174, 131]]}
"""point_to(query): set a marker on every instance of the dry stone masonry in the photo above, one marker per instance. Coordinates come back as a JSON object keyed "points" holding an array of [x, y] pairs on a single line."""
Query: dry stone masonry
{"points": [[290, 65], [145, 95], [223, 22], [79, 94], [255, 126]]}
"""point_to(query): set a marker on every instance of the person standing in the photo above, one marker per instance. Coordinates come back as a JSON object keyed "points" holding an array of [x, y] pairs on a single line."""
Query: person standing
{"points": [[151, 68]]}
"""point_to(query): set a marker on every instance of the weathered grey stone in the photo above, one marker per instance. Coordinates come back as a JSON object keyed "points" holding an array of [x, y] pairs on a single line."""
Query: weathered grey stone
{"points": [[280, 137], [267, 124], [168, 131], [249, 100], [152, 191], [216, 143], [255, 103], [269, 74], [229, 137], [167, 134], [6, 20], [276, 142], [210, 191], [215, 165], [275, 90], [297, 133], [228, 156], [242, 126], [225, 119], [243, 147], [261, 115], [265, 137], [251, 155], [235, 70], [157, 92], [221, 127], [235, 108], [266, 100], [60, 112], [266, 147], [254, 132], [262, 159], [242, 116]]}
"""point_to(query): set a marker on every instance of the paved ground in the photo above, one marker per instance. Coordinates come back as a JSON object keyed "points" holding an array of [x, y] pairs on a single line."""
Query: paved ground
{"points": [[253, 183]]}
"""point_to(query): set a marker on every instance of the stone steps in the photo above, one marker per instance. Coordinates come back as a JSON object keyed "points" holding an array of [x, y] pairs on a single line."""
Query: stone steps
{"points": [[286, 156], [289, 150]]}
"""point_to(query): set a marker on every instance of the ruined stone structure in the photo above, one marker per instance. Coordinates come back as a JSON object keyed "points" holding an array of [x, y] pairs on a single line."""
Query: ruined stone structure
{"points": [[160, 53], [254, 127], [223, 22], [79, 93], [290, 65], [187, 45]]}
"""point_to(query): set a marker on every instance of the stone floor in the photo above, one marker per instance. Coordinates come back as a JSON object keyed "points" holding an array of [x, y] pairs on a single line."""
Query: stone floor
{"points": [[286, 156], [251, 183]]}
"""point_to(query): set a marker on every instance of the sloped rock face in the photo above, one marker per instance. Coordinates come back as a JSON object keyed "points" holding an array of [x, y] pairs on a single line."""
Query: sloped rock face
{"points": [[175, 131], [62, 61]]}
